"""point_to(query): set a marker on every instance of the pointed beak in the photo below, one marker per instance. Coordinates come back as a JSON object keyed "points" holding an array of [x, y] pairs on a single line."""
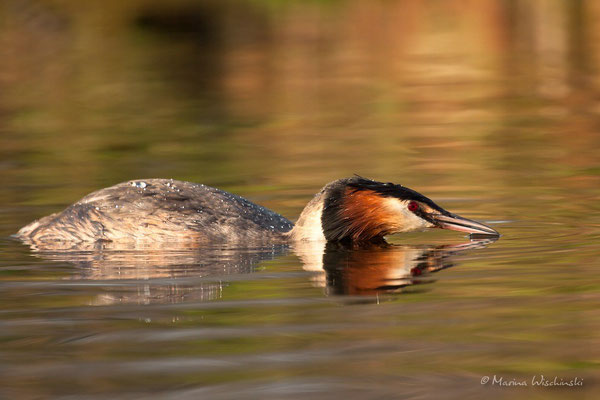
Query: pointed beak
{"points": [[458, 223]]}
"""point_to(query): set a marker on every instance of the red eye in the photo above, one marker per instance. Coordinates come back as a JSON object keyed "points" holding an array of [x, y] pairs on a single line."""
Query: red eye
{"points": [[413, 206]]}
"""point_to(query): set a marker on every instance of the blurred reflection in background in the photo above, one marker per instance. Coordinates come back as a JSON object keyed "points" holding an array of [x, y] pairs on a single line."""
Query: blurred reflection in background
{"points": [[268, 95]]}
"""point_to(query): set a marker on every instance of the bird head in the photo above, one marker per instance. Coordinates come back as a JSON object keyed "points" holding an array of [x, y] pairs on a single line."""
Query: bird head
{"points": [[359, 210]]}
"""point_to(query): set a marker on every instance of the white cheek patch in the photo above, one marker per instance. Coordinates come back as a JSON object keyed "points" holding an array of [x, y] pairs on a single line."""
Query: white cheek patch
{"points": [[407, 220], [415, 223]]}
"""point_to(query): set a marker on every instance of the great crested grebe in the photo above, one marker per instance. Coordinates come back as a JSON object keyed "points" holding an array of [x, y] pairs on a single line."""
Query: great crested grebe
{"points": [[162, 210]]}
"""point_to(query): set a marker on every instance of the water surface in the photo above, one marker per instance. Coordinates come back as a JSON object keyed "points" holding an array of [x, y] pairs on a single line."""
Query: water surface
{"points": [[491, 109]]}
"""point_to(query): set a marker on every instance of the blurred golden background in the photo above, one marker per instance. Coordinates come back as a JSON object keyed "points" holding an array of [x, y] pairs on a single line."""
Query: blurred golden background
{"points": [[294, 94], [489, 107]]}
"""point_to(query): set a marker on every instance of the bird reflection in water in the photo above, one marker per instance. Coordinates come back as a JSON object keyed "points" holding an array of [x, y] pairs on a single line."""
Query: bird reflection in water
{"points": [[169, 273], [387, 268], [177, 274]]}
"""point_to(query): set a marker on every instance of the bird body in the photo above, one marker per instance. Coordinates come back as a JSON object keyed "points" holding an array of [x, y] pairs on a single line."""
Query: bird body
{"points": [[163, 210]]}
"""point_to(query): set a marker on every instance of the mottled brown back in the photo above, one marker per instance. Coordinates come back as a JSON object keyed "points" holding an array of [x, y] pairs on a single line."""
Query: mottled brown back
{"points": [[159, 210]]}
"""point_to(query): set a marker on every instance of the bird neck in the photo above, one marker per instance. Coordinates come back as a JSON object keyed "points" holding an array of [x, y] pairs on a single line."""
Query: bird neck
{"points": [[338, 213], [309, 225]]}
